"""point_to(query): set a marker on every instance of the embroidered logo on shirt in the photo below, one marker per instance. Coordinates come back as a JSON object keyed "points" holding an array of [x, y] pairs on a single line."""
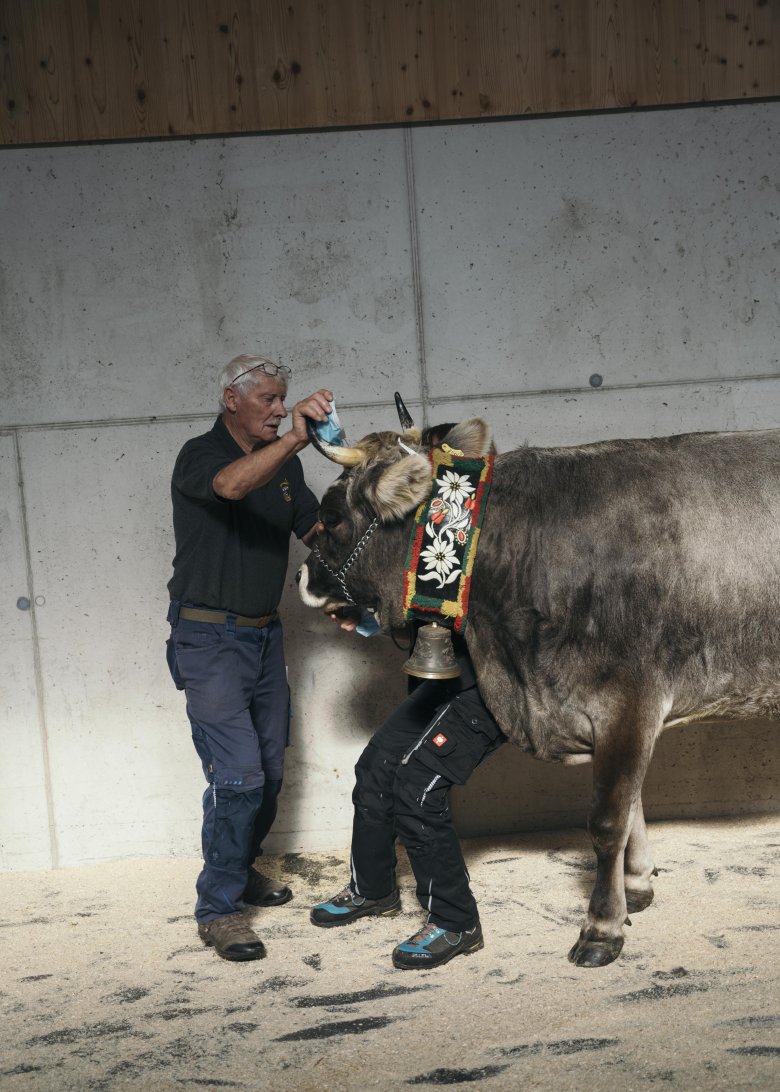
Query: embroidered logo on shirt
{"points": [[440, 740], [285, 488]]}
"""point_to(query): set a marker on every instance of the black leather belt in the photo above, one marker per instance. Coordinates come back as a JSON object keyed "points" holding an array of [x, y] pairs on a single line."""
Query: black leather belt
{"points": [[220, 617]]}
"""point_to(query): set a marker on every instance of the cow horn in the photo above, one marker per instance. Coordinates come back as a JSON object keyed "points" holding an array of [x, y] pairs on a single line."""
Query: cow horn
{"points": [[344, 456], [404, 416]]}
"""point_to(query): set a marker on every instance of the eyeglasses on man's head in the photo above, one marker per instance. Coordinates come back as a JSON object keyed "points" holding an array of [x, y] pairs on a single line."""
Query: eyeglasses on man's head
{"points": [[268, 368]]}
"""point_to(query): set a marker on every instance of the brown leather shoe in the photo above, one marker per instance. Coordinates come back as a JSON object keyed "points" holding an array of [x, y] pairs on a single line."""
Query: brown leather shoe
{"points": [[263, 891], [232, 938]]}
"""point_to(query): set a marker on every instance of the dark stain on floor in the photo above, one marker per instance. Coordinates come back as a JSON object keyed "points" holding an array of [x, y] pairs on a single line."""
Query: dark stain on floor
{"points": [[457, 1076], [580, 864], [522, 1050], [211, 1082], [676, 972], [130, 994], [181, 1013], [678, 982], [311, 870], [23, 924], [659, 992], [576, 1046], [242, 1029], [340, 1027], [751, 1022], [356, 998], [68, 1036], [277, 983], [756, 1051], [558, 1046]]}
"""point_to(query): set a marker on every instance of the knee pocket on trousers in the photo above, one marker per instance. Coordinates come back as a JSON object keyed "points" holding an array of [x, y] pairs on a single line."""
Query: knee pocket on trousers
{"points": [[374, 770], [234, 815], [372, 795]]}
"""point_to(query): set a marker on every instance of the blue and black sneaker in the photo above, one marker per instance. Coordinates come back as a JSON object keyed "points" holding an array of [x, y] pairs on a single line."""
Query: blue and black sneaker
{"points": [[434, 945], [347, 906]]}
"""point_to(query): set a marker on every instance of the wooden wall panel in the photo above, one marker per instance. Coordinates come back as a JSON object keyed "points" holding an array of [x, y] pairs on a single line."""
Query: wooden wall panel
{"points": [[106, 69]]}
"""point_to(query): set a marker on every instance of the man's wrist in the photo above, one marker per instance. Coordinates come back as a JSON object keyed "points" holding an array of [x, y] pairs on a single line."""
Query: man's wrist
{"points": [[293, 442]]}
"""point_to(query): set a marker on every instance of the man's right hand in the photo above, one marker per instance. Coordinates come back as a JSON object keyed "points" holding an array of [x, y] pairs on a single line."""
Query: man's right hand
{"points": [[316, 407]]}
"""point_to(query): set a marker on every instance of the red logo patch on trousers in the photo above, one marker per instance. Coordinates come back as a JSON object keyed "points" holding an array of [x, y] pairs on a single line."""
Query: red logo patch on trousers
{"points": [[440, 740]]}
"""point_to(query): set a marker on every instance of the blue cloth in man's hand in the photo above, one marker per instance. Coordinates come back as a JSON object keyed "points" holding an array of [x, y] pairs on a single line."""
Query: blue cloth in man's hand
{"points": [[330, 431]]}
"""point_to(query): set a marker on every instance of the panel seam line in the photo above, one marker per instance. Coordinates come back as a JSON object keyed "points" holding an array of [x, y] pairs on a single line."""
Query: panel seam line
{"points": [[427, 399], [414, 245], [54, 852]]}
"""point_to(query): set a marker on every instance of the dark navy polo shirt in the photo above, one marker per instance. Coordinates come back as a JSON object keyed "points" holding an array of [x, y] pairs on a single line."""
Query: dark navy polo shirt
{"points": [[233, 555]]}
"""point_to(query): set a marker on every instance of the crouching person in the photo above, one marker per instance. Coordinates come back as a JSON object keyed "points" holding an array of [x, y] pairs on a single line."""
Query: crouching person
{"points": [[435, 739]]}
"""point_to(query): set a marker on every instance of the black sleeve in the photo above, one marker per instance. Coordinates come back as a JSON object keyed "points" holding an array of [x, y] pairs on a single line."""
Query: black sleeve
{"points": [[195, 470], [306, 504]]}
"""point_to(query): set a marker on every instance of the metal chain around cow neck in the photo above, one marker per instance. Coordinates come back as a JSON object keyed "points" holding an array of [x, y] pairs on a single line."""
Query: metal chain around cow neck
{"points": [[445, 536], [338, 574]]}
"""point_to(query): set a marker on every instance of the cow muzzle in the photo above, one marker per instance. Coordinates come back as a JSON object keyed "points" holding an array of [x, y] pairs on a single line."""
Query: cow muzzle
{"points": [[311, 598]]}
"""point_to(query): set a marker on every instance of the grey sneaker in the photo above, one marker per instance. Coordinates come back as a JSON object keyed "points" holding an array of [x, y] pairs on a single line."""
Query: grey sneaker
{"points": [[263, 891], [347, 906], [232, 938]]}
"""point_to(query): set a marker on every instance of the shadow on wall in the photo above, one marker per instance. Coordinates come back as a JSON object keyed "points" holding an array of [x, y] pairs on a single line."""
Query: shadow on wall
{"points": [[344, 686], [707, 769]]}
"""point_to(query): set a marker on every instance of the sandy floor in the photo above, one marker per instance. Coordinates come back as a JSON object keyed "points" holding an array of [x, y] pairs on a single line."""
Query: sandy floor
{"points": [[105, 984]]}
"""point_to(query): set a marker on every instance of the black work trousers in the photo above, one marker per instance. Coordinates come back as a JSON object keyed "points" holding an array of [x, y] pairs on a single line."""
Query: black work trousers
{"points": [[434, 740]]}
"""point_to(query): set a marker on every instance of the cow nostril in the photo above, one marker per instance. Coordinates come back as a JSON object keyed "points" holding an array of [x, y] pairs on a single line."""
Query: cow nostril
{"points": [[298, 577]]}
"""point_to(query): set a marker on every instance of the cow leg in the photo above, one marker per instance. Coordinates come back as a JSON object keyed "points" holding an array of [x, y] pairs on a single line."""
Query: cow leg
{"points": [[638, 866], [620, 761]]}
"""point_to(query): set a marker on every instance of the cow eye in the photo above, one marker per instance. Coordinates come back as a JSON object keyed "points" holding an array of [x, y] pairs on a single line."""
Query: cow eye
{"points": [[330, 518]]}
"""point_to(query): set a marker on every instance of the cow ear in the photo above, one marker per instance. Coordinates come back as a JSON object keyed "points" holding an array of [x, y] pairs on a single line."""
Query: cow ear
{"points": [[402, 487], [473, 437]]}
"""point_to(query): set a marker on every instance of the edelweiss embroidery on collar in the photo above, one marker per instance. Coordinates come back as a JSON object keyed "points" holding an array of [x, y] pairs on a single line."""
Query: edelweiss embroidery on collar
{"points": [[444, 539]]}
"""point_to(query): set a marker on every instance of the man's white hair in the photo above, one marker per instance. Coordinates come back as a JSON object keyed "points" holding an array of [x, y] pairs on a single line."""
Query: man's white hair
{"points": [[236, 367]]}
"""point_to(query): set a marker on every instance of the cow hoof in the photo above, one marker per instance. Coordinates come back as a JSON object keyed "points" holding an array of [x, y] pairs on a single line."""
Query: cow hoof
{"points": [[595, 953], [638, 900]]}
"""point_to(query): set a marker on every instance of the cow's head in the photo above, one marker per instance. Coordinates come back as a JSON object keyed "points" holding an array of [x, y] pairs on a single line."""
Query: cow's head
{"points": [[359, 553]]}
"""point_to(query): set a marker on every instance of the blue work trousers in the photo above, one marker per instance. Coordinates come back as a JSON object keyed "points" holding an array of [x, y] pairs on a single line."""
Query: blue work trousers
{"points": [[238, 704]]}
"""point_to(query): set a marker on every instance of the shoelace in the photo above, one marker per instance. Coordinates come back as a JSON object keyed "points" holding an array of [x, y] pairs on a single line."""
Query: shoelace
{"points": [[430, 930], [233, 927]]}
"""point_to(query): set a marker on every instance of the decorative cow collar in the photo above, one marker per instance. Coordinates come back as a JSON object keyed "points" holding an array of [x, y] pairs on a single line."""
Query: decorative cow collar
{"points": [[444, 538]]}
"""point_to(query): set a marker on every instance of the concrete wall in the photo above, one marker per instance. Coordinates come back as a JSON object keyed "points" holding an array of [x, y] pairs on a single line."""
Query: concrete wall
{"points": [[487, 269]]}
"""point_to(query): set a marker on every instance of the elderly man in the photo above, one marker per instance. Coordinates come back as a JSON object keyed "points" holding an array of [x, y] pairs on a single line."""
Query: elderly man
{"points": [[238, 493]]}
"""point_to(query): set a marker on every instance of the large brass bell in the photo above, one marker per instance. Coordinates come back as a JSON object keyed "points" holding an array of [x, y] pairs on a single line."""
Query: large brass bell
{"points": [[433, 656]]}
